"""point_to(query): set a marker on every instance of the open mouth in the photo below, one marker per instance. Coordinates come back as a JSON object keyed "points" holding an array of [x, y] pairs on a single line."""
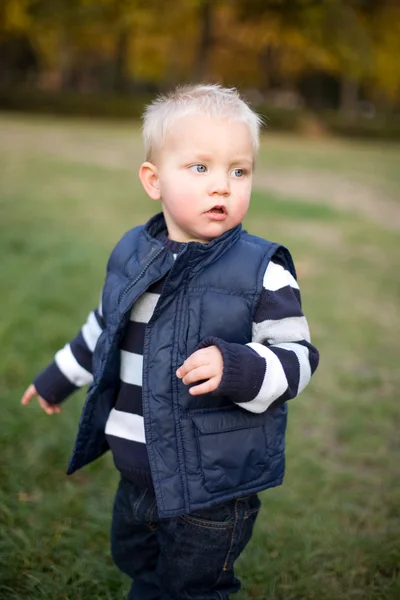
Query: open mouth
{"points": [[217, 210]]}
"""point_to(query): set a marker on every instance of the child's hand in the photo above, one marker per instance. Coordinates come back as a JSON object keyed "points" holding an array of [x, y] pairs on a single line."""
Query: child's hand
{"points": [[31, 392], [206, 363]]}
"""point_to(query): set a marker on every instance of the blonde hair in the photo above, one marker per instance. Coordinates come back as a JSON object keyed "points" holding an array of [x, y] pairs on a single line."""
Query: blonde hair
{"points": [[212, 100]]}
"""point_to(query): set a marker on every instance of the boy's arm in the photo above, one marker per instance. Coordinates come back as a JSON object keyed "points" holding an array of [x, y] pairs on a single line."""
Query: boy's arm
{"points": [[72, 365], [278, 363]]}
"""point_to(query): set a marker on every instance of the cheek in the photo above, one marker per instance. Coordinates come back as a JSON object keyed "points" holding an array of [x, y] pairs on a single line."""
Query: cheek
{"points": [[242, 210], [175, 186], [179, 195], [244, 198], [180, 204]]}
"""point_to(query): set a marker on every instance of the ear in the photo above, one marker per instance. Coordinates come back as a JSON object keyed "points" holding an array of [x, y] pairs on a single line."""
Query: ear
{"points": [[148, 175]]}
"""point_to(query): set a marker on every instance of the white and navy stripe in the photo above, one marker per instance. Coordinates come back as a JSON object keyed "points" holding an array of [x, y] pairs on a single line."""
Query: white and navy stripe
{"points": [[72, 366], [278, 363], [125, 426], [282, 338]]}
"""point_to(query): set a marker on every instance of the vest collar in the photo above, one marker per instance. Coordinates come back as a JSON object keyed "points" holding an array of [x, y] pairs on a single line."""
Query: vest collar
{"points": [[156, 227]]}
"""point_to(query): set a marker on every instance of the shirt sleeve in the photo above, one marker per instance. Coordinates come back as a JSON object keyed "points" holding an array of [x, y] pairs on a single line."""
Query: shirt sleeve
{"points": [[278, 362], [72, 365]]}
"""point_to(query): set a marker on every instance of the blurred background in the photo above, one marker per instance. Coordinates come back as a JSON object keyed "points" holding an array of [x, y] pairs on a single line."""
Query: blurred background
{"points": [[307, 64], [325, 75]]}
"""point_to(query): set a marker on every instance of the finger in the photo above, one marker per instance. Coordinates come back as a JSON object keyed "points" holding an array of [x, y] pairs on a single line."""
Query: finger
{"points": [[44, 406], [29, 393], [206, 387], [201, 373], [189, 364], [197, 359], [48, 408], [55, 410]]}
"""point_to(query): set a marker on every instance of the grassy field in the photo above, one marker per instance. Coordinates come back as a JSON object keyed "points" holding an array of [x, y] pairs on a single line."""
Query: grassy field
{"points": [[332, 531]]}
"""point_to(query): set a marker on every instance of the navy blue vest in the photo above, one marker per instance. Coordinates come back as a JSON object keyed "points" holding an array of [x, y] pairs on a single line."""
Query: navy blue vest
{"points": [[203, 450]]}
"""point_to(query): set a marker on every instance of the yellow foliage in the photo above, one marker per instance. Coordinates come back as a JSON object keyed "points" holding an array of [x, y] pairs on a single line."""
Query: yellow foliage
{"points": [[15, 17], [386, 65], [163, 39]]}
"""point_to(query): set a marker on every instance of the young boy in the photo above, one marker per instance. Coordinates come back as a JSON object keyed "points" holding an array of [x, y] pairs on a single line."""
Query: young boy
{"points": [[197, 345]]}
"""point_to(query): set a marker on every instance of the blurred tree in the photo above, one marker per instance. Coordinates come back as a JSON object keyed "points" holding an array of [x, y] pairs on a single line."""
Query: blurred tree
{"points": [[356, 41], [76, 37], [204, 46], [268, 45], [19, 58], [19, 62], [125, 19], [342, 32], [383, 82], [325, 36]]}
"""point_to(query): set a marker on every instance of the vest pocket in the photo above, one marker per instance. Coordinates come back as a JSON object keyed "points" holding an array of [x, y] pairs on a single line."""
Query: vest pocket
{"points": [[232, 448]]}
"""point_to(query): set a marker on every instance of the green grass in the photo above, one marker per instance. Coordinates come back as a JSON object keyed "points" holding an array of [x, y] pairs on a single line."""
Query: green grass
{"points": [[370, 163], [332, 531]]}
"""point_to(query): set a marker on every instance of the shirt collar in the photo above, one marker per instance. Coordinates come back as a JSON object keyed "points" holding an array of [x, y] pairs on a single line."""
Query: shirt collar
{"points": [[156, 228]]}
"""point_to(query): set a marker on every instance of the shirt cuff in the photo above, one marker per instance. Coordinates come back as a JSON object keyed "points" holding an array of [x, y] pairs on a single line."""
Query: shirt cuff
{"points": [[52, 385], [243, 370]]}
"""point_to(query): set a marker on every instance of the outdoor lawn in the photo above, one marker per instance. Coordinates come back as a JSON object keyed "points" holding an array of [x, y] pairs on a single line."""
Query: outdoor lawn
{"points": [[68, 191]]}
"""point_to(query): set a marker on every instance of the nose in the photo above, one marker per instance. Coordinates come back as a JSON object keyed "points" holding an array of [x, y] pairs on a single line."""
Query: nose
{"points": [[220, 185]]}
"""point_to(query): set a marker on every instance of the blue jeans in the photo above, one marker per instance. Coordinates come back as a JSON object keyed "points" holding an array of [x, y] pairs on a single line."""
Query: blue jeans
{"points": [[190, 557]]}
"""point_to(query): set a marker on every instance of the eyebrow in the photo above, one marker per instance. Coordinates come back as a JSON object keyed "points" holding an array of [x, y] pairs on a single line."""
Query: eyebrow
{"points": [[237, 161], [205, 157], [242, 160]]}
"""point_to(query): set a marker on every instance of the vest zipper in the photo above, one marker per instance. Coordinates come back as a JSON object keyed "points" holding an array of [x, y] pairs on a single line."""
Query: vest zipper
{"points": [[142, 272], [130, 286]]}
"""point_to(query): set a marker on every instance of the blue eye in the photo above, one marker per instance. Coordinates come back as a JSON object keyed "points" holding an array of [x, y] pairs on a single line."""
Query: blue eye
{"points": [[238, 172], [198, 168]]}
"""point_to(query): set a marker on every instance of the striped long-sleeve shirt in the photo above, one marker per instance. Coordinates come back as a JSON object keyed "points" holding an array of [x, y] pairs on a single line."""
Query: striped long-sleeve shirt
{"points": [[278, 363], [275, 366]]}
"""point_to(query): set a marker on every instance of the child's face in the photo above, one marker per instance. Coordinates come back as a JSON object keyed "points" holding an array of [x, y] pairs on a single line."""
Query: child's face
{"points": [[205, 169]]}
